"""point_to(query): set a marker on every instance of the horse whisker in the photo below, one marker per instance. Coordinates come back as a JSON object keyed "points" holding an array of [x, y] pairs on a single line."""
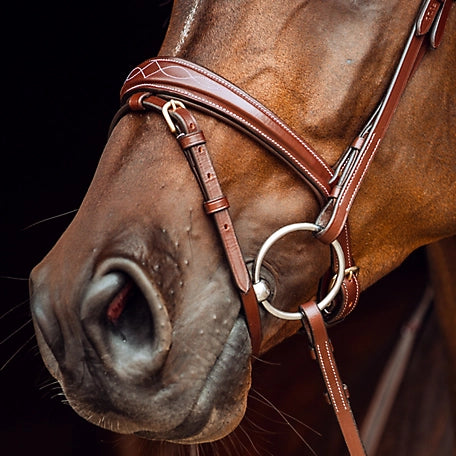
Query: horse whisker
{"points": [[257, 426], [194, 450], [229, 439], [54, 386], [250, 440], [285, 419], [291, 417], [59, 395], [16, 352], [39, 222], [214, 445], [269, 363], [5, 277], [16, 331], [14, 308], [48, 384]]}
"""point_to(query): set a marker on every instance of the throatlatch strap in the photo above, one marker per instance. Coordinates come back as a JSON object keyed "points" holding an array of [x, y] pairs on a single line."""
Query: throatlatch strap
{"points": [[337, 392]]}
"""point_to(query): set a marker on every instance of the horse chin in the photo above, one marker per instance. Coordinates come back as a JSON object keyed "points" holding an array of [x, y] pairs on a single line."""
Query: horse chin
{"points": [[222, 402]]}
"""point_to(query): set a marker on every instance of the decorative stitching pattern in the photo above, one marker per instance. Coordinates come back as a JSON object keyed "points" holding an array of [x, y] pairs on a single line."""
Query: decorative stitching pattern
{"points": [[140, 70]]}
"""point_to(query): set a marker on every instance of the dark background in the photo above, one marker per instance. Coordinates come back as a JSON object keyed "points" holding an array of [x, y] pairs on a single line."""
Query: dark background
{"points": [[62, 66]]}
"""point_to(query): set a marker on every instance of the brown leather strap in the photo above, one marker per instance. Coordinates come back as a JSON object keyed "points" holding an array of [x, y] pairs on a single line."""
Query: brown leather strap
{"points": [[439, 24], [197, 86], [202, 165], [173, 77], [208, 91], [346, 301], [431, 18], [193, 143], [322, 351]]}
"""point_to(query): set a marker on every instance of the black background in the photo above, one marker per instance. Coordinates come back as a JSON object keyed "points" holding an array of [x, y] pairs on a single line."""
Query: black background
{"points": [[62, 66]]}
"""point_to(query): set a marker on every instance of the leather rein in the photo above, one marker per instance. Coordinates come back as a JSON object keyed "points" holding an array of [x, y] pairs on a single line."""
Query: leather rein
{"points": [[170, 85]]}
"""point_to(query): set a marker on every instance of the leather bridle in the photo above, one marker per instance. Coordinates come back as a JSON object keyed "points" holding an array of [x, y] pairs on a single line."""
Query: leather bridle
{"points": [[170, 86]]}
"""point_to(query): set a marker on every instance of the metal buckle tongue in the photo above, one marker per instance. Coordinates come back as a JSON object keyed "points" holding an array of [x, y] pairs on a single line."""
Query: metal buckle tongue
{"points": [[171, 105], [261, 289]]}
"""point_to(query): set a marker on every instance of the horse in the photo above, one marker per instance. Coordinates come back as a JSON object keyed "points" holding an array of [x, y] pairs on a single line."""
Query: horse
{"points": [[136, 311]]}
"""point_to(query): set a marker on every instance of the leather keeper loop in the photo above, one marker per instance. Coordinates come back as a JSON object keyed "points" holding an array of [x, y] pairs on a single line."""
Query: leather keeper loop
{"points": [[135, 102], [427, 16], [216, 205], [192, 139]]}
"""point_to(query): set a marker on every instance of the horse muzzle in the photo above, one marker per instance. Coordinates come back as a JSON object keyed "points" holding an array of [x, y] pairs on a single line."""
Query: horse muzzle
{"points": [[124, 365]]}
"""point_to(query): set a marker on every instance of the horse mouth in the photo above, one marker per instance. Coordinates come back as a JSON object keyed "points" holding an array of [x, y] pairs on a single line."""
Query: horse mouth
{"points": [[221, 403]]}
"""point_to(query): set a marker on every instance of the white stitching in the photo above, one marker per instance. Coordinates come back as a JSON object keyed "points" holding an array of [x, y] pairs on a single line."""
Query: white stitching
{"points": [[246, 122], [245, 97], [251, 100], [355, 191], [328, 384], [339, 387]]}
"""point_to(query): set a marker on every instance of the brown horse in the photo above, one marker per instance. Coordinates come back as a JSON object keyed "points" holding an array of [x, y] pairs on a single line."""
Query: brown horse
{"points": [[135, 311]]}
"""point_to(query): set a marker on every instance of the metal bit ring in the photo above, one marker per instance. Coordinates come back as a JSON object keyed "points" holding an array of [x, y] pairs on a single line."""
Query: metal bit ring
{"points": [[260, 286]]}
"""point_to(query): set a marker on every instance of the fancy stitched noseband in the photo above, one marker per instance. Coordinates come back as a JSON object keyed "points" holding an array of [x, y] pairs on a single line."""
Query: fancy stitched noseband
{"points": [[170, 86]]}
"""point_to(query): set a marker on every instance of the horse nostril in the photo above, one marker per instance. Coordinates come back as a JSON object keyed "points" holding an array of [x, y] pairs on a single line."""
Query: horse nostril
{"points": [[126, 322], [129, 318], [117, 305]]}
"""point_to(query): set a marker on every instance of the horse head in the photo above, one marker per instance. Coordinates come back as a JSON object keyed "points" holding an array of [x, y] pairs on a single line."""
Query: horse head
{"points": [[135, 309]]}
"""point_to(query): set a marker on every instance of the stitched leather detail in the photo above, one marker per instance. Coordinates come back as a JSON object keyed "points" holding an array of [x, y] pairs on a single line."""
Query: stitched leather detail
{"points": [[175, 77], [198, 87], [337, 392], [439, 24]]}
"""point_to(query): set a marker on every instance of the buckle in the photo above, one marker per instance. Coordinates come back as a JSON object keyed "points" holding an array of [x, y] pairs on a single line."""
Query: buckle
{"points": [[171, 105]]}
